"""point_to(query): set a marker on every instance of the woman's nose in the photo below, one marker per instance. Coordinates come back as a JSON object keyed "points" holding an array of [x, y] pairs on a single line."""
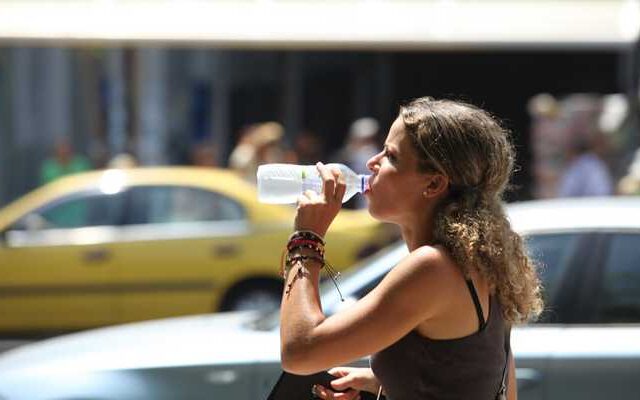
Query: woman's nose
{"points": [[372, 163]]}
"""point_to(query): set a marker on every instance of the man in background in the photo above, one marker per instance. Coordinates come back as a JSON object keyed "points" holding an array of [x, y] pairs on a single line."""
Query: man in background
{"points": [[586, 174], [64, 162], [361, 144]]}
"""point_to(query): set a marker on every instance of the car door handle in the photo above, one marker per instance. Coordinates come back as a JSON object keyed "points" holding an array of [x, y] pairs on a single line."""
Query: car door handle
{"points": [[225, 250], [528, 378], [222, 377], [96, 256]]}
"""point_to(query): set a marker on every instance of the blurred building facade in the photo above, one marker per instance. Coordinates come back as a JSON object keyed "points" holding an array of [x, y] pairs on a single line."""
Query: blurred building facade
{"points": [[198, 74], [158, 103]]}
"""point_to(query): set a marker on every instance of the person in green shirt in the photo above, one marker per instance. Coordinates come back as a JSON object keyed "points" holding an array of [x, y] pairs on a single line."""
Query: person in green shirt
{"points": [[64, 162]]}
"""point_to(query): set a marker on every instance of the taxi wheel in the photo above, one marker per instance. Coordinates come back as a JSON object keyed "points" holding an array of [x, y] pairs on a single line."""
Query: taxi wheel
{"points": [[256, 294]]}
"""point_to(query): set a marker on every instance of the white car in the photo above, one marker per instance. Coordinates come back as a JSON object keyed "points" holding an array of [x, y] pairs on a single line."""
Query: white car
{"points": [[587, 345]]}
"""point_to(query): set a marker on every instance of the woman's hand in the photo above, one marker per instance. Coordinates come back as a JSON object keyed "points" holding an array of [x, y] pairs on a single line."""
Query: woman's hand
{"points": [[317, 211], [352, 380]]}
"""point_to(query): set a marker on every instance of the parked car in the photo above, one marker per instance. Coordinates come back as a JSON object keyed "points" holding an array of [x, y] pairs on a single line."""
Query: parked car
{"points": [[115, 246], [585, 347]]}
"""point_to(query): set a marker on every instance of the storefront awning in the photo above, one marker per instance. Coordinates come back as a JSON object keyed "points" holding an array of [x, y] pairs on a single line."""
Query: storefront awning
{"points": [[372, 24]]}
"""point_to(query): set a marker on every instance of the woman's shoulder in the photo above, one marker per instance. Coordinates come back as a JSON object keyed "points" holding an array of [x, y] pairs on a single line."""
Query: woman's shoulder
{"points": [[429, 252], [432, 261], [425, 270], [433, 256]]}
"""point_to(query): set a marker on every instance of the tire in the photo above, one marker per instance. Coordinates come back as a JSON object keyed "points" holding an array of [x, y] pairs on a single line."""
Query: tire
{"points": [[257, 294]]}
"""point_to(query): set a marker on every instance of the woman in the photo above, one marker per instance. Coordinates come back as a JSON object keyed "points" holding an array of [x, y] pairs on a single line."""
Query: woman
{"points": [[436, 324]]}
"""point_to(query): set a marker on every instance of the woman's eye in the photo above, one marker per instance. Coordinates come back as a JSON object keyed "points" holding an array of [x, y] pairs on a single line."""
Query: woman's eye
{"points": [[389, 155]]}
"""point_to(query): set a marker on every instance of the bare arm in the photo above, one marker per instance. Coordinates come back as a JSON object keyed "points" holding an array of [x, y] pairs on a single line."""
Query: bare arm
{"points": [[414, 291], [512, 385]]}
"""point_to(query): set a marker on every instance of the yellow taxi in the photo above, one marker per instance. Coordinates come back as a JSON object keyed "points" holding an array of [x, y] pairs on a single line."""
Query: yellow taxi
{"points": [[120, 245]]}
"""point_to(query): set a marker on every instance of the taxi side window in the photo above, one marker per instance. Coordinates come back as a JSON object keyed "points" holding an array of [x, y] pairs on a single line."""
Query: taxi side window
{"points": [[75, 211], [619, 300], [175, 204]]}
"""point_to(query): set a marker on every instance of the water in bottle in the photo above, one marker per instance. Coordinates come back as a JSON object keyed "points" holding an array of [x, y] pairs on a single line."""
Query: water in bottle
{"points": [[283, 183]]}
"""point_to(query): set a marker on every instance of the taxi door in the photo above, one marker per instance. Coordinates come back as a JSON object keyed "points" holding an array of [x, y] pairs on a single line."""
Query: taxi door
{"points": [[180, 248], [55, 266]]}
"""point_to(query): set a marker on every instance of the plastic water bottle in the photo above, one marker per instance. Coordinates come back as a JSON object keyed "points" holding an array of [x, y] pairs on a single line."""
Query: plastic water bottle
{"points": [[283, 183]]}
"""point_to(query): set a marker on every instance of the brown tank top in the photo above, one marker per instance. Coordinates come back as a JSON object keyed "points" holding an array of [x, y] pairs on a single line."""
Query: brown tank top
{"points": [[419, 368]]}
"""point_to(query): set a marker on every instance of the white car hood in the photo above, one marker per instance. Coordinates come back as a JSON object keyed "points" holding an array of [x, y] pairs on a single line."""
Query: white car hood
{"points": [[193, 340]]}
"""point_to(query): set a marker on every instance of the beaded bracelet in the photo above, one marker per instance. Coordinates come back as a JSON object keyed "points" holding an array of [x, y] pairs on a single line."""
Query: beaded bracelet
{"points": [[317, 250], [300, 259], [311, 235], [305, 243], [305, 239], [291, 260], [310, 240], [295, 242]]}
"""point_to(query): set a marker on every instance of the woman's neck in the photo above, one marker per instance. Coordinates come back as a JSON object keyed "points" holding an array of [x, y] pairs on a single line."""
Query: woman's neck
{"points": [[418, 232]]}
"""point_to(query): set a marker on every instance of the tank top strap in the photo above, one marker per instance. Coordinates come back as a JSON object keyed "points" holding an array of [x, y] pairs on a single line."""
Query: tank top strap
{"points": [[476, 302]]}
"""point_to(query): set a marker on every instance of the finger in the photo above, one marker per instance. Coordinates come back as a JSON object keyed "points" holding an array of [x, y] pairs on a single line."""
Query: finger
{"points": [[312, 195], [322, 392], [341, 185], [301, 200], [328, 181], [342, 383], [348, 395], [307, 197]]}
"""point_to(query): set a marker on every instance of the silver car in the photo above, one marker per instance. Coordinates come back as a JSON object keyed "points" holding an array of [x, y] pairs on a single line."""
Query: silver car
{"points": [[586, 346]]}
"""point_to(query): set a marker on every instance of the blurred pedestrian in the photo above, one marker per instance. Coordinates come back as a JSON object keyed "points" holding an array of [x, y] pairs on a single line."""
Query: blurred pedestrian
{"points": [[63, 162], [122, 161], [630, 183], [586, 173], [361, 144], [204, 154], [547, 139], [260, 144], [437, 325], [308, 147]]}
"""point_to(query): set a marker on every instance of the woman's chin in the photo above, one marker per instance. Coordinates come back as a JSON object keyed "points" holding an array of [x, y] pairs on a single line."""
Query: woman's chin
{"points": [[375, 212], [382, 214]]}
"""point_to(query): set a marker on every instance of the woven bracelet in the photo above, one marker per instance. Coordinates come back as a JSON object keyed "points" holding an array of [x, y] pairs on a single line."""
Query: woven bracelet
{"points": [[306, 235]]}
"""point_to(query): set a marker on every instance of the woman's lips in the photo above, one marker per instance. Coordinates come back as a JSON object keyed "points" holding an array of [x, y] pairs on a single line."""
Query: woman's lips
{"points": [[367, 186]]}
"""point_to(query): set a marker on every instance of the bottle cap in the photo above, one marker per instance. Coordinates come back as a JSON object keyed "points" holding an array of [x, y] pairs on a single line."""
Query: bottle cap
{"points": [[364, 183]]}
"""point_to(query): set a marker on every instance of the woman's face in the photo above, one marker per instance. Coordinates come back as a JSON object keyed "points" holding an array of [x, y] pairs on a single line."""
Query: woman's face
{"points": [[396, 185]]}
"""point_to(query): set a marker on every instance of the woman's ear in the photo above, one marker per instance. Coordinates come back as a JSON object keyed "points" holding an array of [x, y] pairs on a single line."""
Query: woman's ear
{"points": [[436, 185]]}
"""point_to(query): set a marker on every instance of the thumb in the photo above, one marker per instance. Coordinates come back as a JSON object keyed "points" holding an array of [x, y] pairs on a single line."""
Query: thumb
{"points": [[339, 371]]}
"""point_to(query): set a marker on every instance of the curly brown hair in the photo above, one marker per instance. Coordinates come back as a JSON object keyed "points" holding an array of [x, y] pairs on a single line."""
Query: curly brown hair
{"points": [[470, 147]]}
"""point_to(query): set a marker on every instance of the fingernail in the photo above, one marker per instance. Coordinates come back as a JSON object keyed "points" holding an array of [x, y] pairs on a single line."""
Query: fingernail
{"points": [[319, 163]]}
